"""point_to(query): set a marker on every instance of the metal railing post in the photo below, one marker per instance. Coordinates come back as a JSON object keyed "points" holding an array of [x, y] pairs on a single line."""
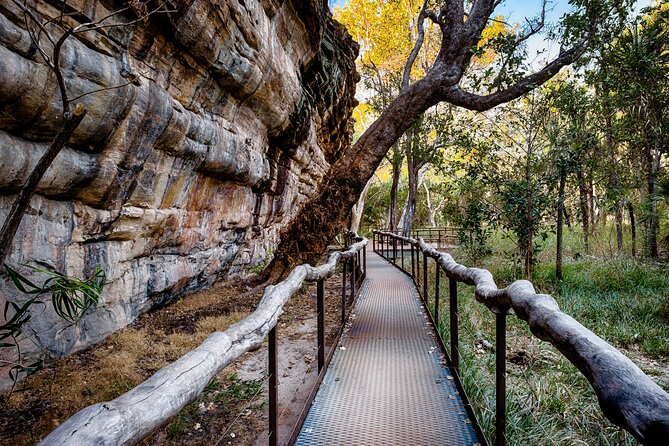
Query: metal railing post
{"points": [[500, 379], [364, 263], [394, 251], [343, 293], [437, 273], [273, 391], [413, 269], [402, 253], [320, 314], [425, 278], [417, 278], [374, 241], [453, 310], [352, 276]]}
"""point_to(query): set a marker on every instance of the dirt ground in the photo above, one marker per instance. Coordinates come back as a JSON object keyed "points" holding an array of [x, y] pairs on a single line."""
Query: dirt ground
{"points": [[233, 408]]}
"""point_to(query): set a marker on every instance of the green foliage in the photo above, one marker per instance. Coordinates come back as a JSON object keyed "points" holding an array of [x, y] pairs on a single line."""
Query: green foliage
{"points": [[70, 298]]}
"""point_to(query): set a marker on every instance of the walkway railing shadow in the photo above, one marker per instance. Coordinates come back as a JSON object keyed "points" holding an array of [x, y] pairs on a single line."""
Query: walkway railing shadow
{"points": [[133, 415], [626, 395]]}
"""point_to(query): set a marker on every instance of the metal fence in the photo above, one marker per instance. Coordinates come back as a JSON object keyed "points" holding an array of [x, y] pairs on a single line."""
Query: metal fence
{"points": [[627, 397]]}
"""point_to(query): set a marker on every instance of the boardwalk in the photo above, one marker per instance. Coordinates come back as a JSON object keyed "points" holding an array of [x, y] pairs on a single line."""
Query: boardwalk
{"points": [[387, 384]]}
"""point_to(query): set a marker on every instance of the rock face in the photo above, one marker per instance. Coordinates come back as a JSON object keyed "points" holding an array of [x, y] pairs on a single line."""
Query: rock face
{"points": [[184, 175]]}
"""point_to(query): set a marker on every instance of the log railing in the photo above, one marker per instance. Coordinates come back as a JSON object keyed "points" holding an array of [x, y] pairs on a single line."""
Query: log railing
{"points": [[133, 415], [626, 395]]}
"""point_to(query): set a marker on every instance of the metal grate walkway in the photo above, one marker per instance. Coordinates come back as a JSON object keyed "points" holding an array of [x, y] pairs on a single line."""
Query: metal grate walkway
{"points": [[387, 383]]}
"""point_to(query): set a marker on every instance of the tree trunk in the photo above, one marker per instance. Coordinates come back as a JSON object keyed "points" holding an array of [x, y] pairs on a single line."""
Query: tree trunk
{"points": [[11, 225], [392, 209], [409, 211], [619, 225], [614, 175], [529, 246], [652, 225], [630, 210], [310, 231], [430, 209], [585, 211], [358, 208], [591, 204], [560, 219]]}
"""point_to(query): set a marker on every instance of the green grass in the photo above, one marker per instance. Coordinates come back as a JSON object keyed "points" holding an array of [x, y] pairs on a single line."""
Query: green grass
{"points": [[548, 401]]}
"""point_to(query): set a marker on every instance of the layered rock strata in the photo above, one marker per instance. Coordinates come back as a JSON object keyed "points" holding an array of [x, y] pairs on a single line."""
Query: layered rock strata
{"points": [[207, 126]]}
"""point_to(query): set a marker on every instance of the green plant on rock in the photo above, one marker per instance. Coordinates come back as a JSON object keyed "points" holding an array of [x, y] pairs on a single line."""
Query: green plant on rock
{"points": [[71, 298]]}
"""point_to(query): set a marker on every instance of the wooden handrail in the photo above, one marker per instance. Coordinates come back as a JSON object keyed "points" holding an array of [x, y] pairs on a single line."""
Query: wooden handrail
{"points": [[133, 415], [626, 395]]}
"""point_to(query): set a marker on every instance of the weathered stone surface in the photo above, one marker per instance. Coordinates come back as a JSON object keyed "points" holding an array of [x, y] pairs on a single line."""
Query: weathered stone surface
{"points": [[189, 174]]}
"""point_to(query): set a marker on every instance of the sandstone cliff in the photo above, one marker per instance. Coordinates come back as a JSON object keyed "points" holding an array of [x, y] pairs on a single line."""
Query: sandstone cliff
{"points": [[188, 174]]}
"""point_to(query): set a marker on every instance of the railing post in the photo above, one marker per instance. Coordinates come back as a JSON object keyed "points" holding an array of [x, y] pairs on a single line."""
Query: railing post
{"points": [[413, 269], [383, 243], [402, 253], [453, 310], [364, 262], [273, 391], [394, 251], [437, 273], [320, 315], [374, 241], [352, 275], [500, 379], [417, 278], [343, 293], [425, 278]]}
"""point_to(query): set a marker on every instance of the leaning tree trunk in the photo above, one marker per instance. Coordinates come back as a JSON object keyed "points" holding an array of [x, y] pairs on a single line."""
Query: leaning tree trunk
{"points": [[309, 232], [11, 225]]}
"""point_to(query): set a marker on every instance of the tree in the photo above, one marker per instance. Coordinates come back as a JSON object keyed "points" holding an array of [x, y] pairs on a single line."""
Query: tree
{"points": [[318, 221], [640, 55]]}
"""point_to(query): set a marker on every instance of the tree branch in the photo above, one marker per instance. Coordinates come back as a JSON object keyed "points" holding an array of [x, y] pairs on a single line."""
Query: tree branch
{"points": [[417, 46], [471, 101]]}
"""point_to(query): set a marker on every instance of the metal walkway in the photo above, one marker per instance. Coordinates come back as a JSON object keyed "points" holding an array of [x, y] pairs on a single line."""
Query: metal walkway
{"points": [[387, 383]]}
